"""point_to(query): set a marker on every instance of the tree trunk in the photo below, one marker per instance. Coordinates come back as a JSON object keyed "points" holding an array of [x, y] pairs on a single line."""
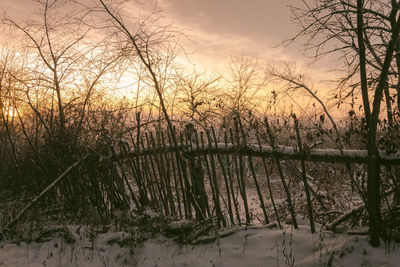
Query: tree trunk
{"points": [[363, 71], [373, 181]]}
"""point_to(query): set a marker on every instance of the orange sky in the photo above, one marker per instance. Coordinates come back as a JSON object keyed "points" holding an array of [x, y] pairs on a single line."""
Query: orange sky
{"points": [[219, 29]]}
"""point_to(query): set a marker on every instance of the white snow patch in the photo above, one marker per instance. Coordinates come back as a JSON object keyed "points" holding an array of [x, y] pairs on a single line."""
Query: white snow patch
{"points": [[256, 246]]}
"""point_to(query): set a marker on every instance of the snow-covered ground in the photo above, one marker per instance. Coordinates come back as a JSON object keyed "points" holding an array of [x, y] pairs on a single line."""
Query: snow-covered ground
{"points": [[258, 246]]}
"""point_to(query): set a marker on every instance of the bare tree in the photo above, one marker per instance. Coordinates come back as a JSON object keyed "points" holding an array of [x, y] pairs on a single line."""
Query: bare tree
{"points": [[55, 81], [366, 34], [155, 48], [199, 99], [245, 80], [65, 62]]}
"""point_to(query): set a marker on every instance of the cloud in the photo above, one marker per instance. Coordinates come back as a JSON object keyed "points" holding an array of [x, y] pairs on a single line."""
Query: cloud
{"points": [[256, 18], [223, 28], [218, 29]]}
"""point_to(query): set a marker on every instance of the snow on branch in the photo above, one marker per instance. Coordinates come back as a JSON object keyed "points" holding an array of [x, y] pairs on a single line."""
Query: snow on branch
{"points": [[283, 152]]}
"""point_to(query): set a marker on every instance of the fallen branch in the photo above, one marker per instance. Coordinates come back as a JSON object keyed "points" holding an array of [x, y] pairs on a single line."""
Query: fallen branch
{"points": [[344, 217], [348, 214], [324, 252], [359, 231], [50, 186], [210, 238]]}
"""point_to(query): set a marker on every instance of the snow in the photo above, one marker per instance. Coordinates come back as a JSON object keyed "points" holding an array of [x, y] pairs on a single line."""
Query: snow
{"points": [[255, 246], [151, 213]]}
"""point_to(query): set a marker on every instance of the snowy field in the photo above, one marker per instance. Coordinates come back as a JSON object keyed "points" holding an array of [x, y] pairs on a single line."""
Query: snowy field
{"points": [[257, 246]]}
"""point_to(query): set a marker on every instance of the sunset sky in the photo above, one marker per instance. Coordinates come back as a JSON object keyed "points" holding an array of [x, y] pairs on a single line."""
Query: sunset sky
{"points": [[234, 27], [220, 29]]}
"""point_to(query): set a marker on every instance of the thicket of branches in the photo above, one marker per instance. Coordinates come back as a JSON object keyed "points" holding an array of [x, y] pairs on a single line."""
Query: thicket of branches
{"points": [[61, 74]]}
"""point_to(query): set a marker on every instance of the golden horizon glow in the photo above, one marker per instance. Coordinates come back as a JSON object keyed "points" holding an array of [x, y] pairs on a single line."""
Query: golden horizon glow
{"points": [[210, 52]]}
